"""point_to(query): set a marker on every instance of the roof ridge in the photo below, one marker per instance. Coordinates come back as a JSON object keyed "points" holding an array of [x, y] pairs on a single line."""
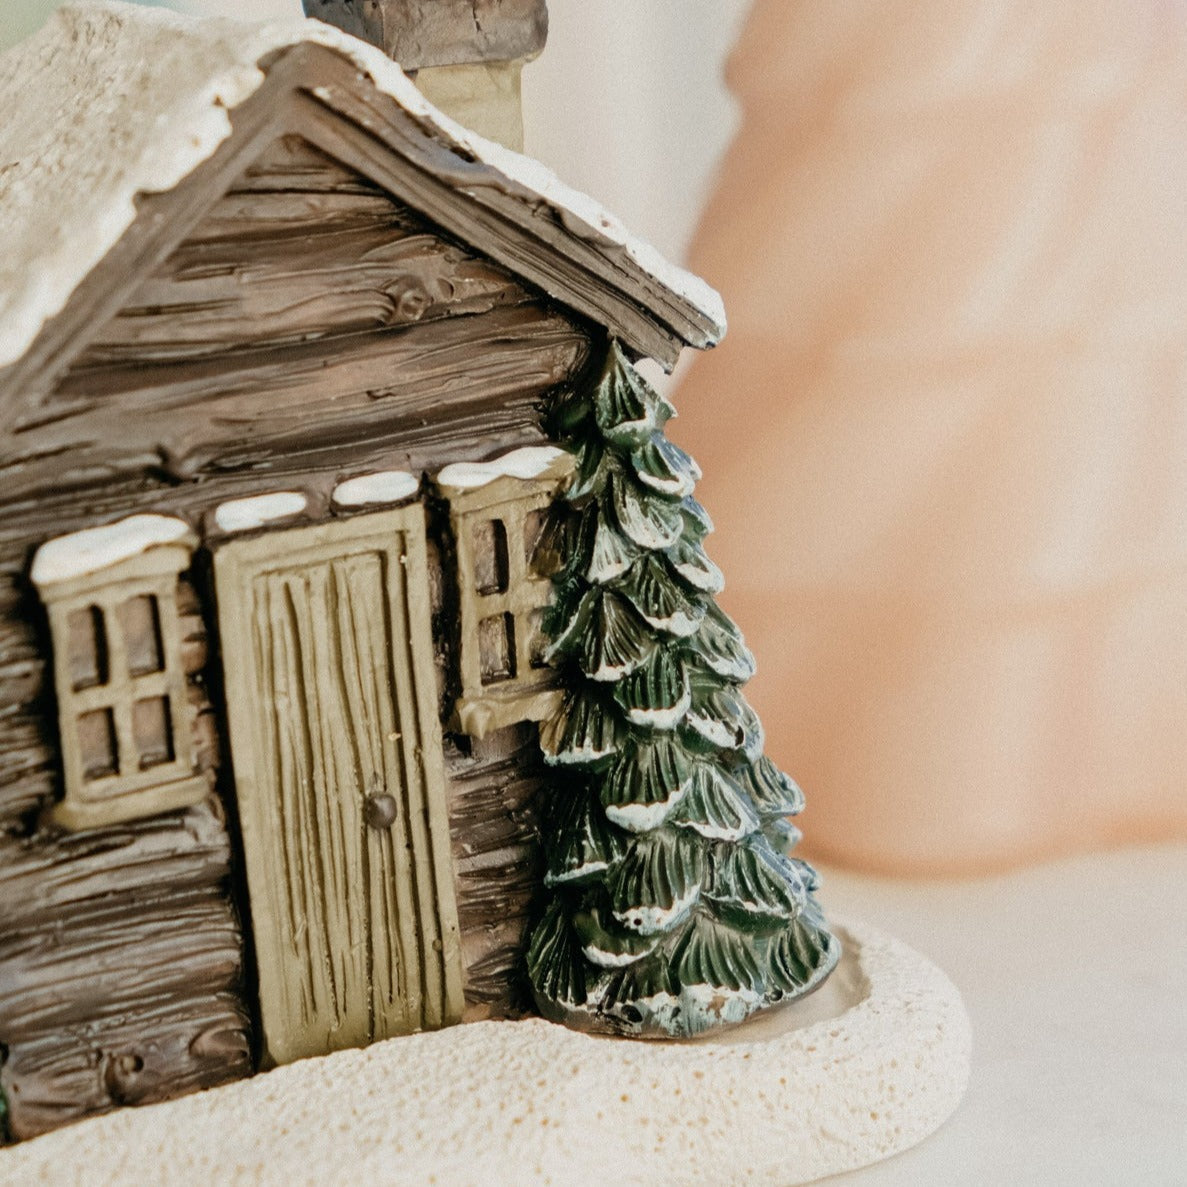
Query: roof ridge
{"points": [[72, 162]]}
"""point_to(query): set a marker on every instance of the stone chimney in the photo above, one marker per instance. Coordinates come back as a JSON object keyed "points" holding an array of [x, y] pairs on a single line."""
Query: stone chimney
{"points": [[465, 55]]}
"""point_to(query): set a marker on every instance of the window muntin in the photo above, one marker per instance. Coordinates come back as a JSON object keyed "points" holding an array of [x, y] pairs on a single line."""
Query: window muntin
{"points": [[124, 711]]}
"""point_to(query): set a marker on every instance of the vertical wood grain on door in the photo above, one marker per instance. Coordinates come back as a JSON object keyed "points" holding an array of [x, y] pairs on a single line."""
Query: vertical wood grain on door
{"points": [[336, 747]]}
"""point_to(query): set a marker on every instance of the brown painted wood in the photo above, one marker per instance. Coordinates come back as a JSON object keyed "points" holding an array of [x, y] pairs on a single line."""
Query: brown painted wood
{"points": [[290, 166], [120, 962], [589, 272], [75, 873], [420, 33], [589, 275], [151, 1054], [28, 751], [501, 220], [200, 363], [163, 221], [494, 785], [413, 337], [338, 771], [297, 289], [119, 968], [301, 249], [448, 389], [29, 776]]}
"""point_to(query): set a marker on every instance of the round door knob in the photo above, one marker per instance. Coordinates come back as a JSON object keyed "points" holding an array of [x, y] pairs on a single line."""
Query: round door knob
{"points": [[380, 810]]}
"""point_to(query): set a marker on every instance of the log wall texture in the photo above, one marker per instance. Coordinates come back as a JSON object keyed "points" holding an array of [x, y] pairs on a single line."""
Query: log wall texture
{"points": [[300, 249], [307, 323], [120, 949], [493, 792]]}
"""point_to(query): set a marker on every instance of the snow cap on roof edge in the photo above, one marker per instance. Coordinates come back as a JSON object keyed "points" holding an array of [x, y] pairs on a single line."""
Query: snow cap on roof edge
{"points": [[72, 160]]}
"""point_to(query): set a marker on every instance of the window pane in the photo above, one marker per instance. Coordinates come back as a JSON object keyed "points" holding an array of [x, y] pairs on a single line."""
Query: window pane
{"points": [[97, 745], [490, 557], [140, 623], [153, 731], [537, 640], [532, 530], [496, 648], [86, 648]]}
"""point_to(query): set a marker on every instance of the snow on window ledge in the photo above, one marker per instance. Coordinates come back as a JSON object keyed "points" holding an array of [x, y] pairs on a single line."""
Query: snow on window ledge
{"points": [[533, 461], [257, 511], [382, 487], [93, 550]]}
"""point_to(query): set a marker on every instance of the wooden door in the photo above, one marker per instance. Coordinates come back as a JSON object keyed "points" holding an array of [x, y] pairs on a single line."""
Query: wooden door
{"points": [[336, 746]]}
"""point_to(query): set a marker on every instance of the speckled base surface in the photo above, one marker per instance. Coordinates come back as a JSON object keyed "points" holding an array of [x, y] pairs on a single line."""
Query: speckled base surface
{"points": [[867, 1067]]}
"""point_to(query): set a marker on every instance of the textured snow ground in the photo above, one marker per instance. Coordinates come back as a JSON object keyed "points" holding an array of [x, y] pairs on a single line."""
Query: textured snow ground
{"points": [[870, 1065]]}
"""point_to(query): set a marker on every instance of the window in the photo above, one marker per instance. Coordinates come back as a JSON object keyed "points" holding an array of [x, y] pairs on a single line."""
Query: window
{"points": [[497, 512], [124, 714]]}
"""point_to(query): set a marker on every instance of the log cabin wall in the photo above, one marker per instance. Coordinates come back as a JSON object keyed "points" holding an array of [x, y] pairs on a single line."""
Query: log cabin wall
{"points": [[120, 948], [494, 789], [493, 785], [308, 324], [309, 329]]}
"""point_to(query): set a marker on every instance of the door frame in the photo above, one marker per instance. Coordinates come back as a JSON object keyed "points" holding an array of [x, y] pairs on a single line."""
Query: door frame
{"points": [[237, 563]]}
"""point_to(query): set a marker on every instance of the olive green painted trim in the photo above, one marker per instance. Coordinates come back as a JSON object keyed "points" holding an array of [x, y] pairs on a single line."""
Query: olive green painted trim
{"points": [[158, 560], [494, 711], [165, 786], [508, 489], [136, 805], [482, 96], [342, 800], [525, 697]]}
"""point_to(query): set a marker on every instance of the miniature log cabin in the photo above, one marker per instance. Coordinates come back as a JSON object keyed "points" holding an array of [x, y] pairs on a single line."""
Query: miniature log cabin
{"points": [[275, 338]]}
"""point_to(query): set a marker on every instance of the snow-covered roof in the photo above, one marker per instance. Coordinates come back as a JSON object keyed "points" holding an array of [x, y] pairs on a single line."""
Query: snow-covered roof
{"points": [[110, 100]]}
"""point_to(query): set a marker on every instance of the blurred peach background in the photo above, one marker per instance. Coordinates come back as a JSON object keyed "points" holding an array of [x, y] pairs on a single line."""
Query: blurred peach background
{"points": [[945, 441]]}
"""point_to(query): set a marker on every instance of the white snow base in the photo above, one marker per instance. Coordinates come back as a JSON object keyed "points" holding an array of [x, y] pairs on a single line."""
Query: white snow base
{"points": [[865, 1068]]}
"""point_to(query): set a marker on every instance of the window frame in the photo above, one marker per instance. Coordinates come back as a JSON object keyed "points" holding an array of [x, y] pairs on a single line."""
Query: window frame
{"points": [[138, 792], [530, 693]]}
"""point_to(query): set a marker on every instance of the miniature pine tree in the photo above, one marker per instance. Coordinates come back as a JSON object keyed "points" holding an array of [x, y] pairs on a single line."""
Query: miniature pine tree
{"points": [[673, 902]]}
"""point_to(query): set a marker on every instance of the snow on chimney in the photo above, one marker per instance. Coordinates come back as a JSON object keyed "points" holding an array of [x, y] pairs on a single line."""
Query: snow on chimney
{"points": [[465, 55]]}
